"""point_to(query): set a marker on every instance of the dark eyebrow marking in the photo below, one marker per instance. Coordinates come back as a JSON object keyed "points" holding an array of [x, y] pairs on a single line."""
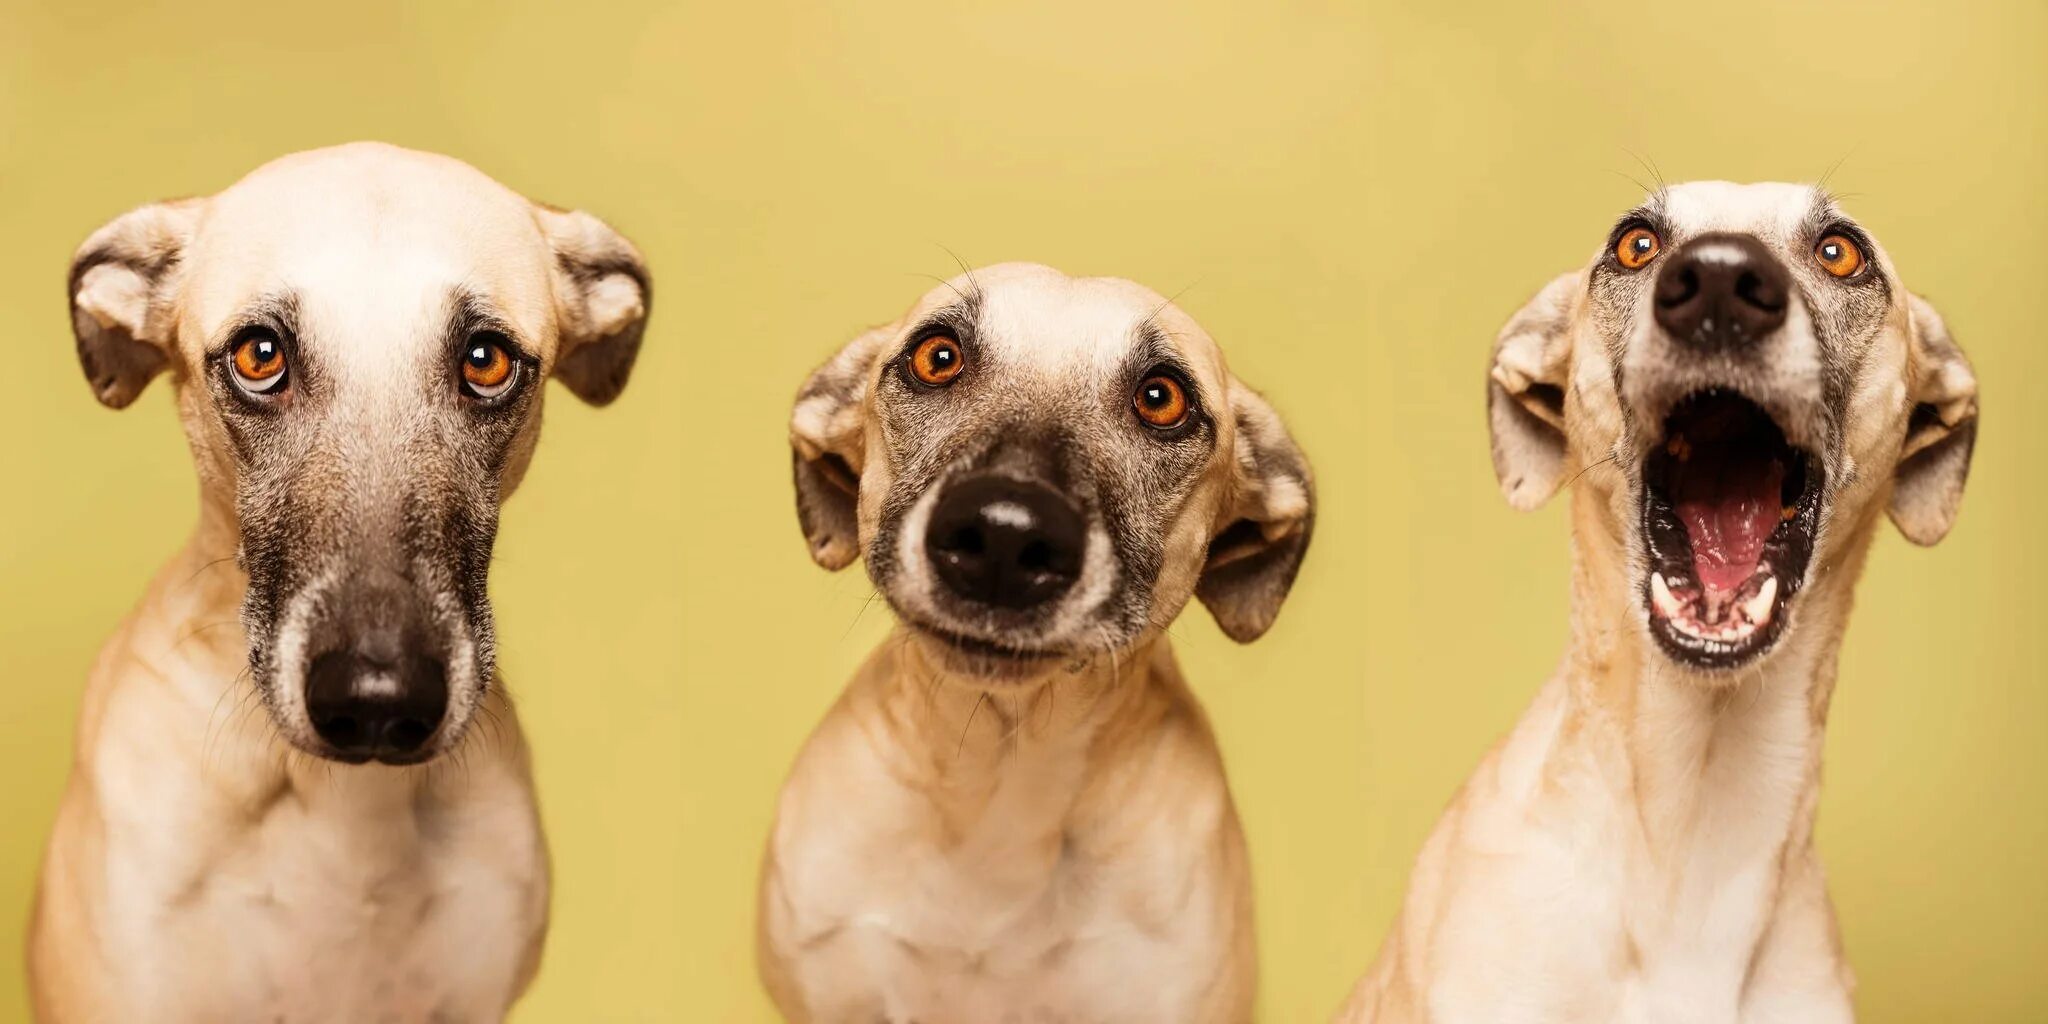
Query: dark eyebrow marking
{"points": [[1651, 213], [958, 319], [1823, 214], [277, 312], [1152, 348], [469, 312]]}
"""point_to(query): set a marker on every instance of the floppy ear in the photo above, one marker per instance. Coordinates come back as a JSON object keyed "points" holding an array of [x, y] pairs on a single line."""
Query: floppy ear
{"points": [[1254, 557], [828, 441], [1927, 488], [1525, 393], [122, 280], [603, 293]]}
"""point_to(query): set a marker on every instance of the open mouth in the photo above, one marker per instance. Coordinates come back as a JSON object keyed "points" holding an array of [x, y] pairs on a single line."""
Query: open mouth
{"points": [[1730, 510]]}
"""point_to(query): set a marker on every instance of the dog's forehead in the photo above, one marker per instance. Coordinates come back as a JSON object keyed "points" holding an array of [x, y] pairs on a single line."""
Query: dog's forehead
{"points": [[370, 231], [1033, 316], [1768, 210]]}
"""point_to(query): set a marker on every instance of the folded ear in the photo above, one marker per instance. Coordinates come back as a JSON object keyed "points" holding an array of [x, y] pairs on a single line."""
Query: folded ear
{"points": [[1525, 393], [122, 281], [1934, 461], [828, 442], [603, 294], [1265, 531]]}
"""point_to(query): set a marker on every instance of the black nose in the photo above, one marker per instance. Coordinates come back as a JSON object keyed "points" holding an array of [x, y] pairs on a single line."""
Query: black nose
{"points": [[368, 702], [1721, 293], [1005, 543]]}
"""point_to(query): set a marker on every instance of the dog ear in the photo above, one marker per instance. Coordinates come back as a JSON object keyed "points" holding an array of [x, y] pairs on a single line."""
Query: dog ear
{"points": [[1254, 557], [122, 280], [1525, 393], [828, 442], [604, 294], [1934, 461]]}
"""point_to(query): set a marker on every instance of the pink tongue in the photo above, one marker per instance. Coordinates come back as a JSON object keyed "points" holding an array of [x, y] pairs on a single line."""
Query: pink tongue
{"points": [[1729, 511]]}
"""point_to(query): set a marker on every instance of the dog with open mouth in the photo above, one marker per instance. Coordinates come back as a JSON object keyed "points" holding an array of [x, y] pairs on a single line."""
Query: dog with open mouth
{"points": [[1738, 388], [1017, 810], [259, 824]]}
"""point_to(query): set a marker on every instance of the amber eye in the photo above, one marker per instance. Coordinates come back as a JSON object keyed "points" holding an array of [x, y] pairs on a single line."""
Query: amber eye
{"points": [[1839, 256], [937, 360], [1161, 402], [258, 365], [488, 370], [1637, 247]]}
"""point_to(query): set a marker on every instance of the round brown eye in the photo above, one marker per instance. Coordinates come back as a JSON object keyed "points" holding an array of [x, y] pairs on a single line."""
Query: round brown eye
{"points": [[258, 364], [1839, 256], [487, 368], [1637, 247], [1161, 402], [937, 360]]}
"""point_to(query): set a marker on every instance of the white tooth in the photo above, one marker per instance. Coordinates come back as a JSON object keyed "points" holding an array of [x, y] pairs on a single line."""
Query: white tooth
{"points": [[1661, 597], [1758, 608]]}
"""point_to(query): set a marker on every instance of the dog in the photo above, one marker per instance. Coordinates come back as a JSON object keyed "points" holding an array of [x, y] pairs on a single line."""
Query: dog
{"points": [[1737, 388], [1017, 811], [358, 339]]}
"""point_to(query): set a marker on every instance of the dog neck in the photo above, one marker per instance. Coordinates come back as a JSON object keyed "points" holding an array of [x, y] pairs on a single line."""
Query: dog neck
{"points": [[1011, 759], [1723, 775]]}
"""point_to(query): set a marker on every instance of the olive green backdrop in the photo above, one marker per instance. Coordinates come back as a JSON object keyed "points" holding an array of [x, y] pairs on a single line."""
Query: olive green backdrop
{"points": [[1353, 198]]}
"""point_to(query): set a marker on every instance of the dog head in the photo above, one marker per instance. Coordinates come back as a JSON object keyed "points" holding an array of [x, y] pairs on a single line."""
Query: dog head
{"points": [[358, 337], [1038, 469], [1748, 360]]}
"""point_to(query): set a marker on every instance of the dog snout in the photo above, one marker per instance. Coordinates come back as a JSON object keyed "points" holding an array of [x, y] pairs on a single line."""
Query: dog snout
{"points": [[1721, 293], [378, 687], [1005, 543]]}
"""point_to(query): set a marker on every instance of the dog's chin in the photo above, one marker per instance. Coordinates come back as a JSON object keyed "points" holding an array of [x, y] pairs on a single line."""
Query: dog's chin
{"points": [[986, 662], [326, 753], [1729, 514], [302, 738]]}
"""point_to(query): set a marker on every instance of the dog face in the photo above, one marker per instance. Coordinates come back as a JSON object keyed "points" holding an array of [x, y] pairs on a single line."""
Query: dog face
{"points": [[358, 337], [1039, 469], [1747, 358]]}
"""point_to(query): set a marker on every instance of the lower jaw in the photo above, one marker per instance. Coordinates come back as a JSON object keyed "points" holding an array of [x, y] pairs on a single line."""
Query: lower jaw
{"points": [[1747, 627]]}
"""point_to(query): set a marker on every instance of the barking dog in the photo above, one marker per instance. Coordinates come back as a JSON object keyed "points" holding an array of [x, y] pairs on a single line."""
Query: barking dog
{"points": [[358, 338], [1017, 811], [1742, 389]]}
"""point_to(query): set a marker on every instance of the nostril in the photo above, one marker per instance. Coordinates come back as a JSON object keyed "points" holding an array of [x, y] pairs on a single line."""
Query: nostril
{"points": [[1035, 555], [406, 735], [1753, 289], [343, 731], [964, 541], [1678, 287]]}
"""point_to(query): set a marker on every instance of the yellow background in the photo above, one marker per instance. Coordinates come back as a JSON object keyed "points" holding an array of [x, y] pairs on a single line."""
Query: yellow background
{"points": [[1354, 197]]}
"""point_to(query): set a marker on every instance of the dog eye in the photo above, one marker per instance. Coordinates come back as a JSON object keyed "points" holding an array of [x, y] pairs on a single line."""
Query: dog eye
{"points": [[1161, 402], [258, 364], [1839, 256], [1637, 247], [937, 360], [488, 370]]}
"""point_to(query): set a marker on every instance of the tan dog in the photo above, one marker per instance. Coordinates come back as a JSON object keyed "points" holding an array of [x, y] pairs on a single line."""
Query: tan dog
{"points": [[1017, 811], [358, 338], [1741, 388]]}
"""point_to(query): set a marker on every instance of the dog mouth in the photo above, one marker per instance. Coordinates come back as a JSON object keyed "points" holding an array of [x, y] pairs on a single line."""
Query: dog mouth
{"points": [[981, 658], [1729, 514]]}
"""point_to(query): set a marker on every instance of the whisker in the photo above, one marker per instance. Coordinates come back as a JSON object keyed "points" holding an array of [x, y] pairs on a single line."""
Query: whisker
{"points": [[962, 747], [1611, 459]]}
